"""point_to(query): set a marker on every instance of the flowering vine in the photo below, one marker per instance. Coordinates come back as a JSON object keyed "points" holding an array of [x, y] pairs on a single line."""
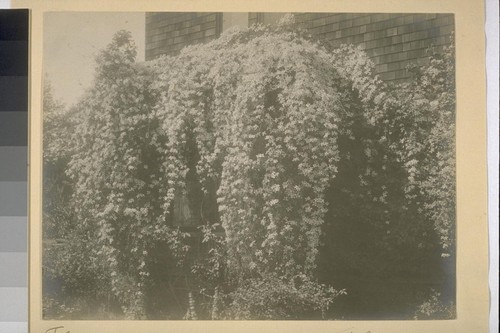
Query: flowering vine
{"points": [[257, 121]]}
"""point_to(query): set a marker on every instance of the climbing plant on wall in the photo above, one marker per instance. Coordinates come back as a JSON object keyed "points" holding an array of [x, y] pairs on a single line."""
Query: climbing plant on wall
{"points": [[251, 130]]}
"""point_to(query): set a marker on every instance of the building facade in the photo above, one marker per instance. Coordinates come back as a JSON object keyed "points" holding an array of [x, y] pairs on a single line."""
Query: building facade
{"points": [[392, 41]]}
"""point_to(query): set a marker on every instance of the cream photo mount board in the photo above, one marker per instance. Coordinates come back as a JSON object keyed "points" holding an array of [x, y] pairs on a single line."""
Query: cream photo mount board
{"points": [[472, 243]]}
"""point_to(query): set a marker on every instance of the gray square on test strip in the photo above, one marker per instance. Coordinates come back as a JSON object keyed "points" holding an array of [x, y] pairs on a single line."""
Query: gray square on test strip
{"points": [[14, 304], [13, 198], [13, 234], [14, 163], [14, 269]]}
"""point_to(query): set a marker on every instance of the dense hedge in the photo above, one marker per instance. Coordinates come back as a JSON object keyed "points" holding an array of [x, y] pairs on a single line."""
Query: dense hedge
{"points": [[246, 134]]}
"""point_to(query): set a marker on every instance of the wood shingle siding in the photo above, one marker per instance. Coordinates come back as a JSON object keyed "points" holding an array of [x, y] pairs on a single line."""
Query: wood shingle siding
{"points": [[392, 41]]}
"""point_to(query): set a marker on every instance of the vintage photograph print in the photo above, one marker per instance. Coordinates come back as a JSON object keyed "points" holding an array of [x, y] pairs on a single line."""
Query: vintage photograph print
{"points": [[249, 166]]}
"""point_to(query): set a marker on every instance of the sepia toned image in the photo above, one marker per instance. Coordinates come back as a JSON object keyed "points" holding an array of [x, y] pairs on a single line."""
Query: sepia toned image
{"points": [[249, 166]]}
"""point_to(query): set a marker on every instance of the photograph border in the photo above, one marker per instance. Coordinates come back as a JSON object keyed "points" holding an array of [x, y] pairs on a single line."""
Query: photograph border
{"points": [[472, 240]]}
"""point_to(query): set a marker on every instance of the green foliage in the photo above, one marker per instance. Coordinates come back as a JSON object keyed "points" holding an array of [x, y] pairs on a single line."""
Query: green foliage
{"points": [[210, 269], [435, 308], [57, 124], [117, 178], [57, 310], [65, 256], [251, 131], [430, 158], [271, 297], [392, 204]]}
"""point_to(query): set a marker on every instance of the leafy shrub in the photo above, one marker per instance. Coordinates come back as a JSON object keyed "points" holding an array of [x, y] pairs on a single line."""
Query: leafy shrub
{"points": [[271, 297], [54, 309], [435, 308], [392, 203], [258, 124]]}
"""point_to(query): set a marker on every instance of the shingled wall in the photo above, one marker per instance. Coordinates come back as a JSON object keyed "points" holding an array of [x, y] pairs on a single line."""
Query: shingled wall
{"points": [[392, 41], [168, 33]]}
